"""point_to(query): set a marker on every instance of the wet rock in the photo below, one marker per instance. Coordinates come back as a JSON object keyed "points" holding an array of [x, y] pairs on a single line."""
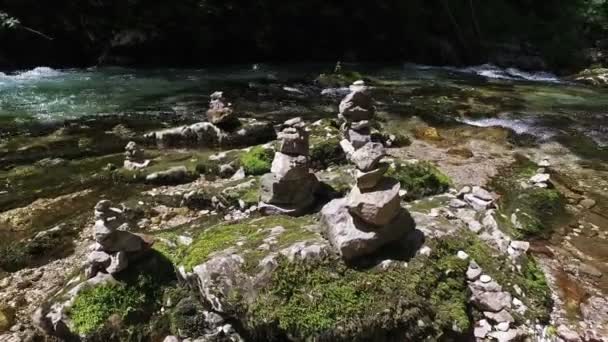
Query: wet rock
{"points": [[173, 175], [377, 206], [354, 238], [368, 157]]}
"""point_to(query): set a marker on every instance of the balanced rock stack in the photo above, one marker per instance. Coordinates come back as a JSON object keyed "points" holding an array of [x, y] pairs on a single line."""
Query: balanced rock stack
{"points": [[290, 187], [356, 110], [220, 111], [370, 216], [114, 244], [134, 157]]}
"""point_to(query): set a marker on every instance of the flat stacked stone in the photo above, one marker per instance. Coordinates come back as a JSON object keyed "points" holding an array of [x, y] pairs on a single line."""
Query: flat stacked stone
{"points": [[114, 243], [289, 188], [134, 157], [357, 110], [220, 111], [370, 216]]}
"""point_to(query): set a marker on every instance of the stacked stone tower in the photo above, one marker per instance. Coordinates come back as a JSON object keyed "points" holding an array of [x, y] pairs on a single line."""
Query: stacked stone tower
{"points": [[370, 216], [290, 187], [134, 157]]}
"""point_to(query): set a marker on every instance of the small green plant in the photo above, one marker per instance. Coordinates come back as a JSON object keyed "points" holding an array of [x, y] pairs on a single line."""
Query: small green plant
{"points": [[94, 305], [257, 161], [420, 179]]}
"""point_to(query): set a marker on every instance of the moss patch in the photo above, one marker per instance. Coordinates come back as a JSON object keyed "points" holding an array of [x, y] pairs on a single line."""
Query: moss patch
{"points": [[325, 147], [420, 179], [128, 305], [536, 209], [250, 233], [329, 301], [257, 161]]}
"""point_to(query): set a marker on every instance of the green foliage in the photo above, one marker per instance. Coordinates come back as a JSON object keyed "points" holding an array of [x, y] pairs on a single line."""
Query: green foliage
{"points": [[420, 179], [94, 305], [257, 161], [324, 150], [331, 301]]}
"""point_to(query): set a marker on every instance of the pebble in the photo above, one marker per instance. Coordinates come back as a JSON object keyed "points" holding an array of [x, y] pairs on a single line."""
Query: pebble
{"points": [[462, 255], [485, 278]]}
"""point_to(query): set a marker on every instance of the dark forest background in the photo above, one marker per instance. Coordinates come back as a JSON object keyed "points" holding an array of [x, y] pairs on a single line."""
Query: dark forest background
{"points": [[531, 34]]}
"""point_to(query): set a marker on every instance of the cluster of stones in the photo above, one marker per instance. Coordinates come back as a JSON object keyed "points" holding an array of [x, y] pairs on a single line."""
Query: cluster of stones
{"points": [[496, 305], [290, 187], [356, 111], [114, 244], [370, 216], [542, 178], [220, 112], [135, 158], [222, 128]]}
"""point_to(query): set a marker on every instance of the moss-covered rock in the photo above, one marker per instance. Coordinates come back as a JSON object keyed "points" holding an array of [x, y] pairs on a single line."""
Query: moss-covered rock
{"points": [[257, 161], [526, 210], [419, 179]]}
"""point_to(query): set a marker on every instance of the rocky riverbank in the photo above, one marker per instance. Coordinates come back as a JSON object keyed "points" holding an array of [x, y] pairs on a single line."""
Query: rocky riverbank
{"points": [[342, 229]]}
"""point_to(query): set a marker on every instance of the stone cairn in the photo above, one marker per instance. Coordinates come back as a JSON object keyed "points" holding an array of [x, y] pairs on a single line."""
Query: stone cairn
{"points": [[134, 157], [114, 245], [220, 112], [370, 216], [290, 187], [356, 111]]}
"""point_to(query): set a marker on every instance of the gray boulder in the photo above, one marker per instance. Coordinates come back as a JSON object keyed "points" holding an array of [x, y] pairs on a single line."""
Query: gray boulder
{"points": [[353, 238], [358, 138], [220, 110], [294, 141]]}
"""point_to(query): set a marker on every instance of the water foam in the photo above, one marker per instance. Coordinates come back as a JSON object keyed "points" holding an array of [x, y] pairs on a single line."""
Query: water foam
{"points": [[492, 71], [519, 126]]}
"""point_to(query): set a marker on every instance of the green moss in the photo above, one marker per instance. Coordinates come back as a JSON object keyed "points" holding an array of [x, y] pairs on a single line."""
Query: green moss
{"points": [[257, 161], [250, 233], [536, 209], [93, 306], [420, 179], [325, 147], [236, 191], [132, 302], [330, 301]]}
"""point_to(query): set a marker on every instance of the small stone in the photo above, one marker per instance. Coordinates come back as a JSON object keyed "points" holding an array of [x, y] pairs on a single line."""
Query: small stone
{"points": [[540, 178], [485, 278], [474, 271], [426, 251], [367, 157], [483, 194], [504, 326], [462, 255], [587, 203], [456, 203], [502, 316], [482, 328]]}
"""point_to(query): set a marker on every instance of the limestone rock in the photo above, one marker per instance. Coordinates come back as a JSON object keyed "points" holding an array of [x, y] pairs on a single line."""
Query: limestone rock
{"points": [[276, 190], [357, 106], [354, 238], [134, 157], [482, 328], [567, 334], [358, 138], [367, 157], [294, 141], [377, 206], [499, 317], [491, 301], [289, 167], [368, 180]]}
